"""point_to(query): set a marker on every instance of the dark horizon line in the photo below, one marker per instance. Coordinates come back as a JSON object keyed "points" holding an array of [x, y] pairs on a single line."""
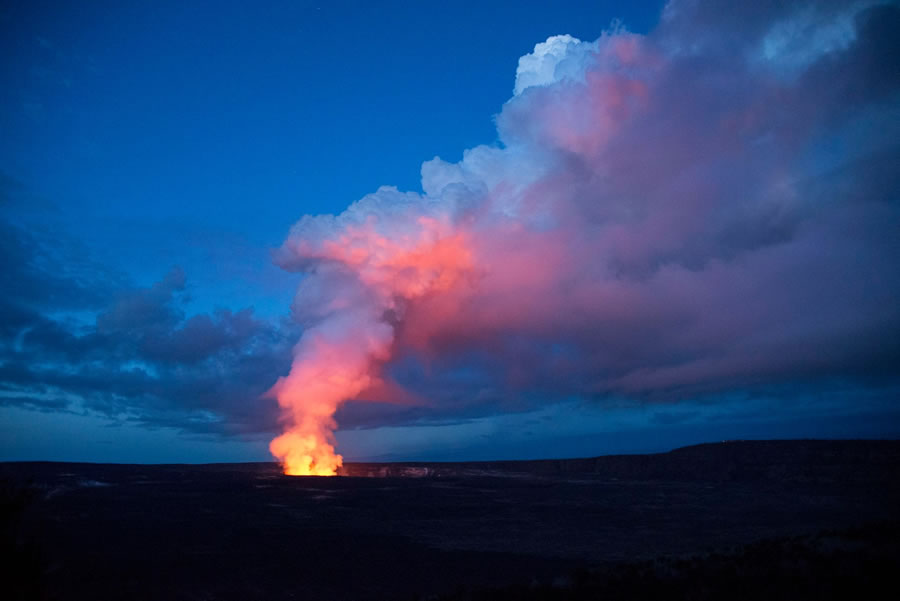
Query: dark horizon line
{"points": [[476, 461]]}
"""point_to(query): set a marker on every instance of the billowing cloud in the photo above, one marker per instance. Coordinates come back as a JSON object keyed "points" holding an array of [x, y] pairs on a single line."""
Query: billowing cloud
{"points": [[560, 57], [709, 207]]}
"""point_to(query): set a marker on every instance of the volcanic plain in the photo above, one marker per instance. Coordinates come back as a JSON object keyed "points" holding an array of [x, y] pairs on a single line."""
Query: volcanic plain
{"points": [[555, 529]]}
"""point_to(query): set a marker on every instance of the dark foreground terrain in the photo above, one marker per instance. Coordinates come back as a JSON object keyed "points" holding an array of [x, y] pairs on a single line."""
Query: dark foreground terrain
{"points": [[739, 520]]}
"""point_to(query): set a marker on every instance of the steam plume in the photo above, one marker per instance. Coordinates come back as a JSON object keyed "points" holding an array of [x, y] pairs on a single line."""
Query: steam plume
{"points": [[702, 208]]}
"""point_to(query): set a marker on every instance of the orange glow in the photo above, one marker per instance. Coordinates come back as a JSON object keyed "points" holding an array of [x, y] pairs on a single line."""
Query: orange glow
{"points": [[307, 455], [340, 357]]}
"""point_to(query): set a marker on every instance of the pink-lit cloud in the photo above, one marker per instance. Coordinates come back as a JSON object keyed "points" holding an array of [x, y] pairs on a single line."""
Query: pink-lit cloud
{"points": [[707, 207]]}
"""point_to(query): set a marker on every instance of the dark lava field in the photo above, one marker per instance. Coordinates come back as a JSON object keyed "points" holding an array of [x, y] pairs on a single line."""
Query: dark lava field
{"points": [[740, 520]]}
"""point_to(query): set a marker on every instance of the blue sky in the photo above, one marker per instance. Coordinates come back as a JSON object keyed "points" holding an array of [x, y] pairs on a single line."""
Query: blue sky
{"points": [[186, 129], [152, 157]]}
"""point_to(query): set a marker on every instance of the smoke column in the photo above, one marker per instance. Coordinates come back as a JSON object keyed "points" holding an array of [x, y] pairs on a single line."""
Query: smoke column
{"points": [[701, 209], [364, 282]]}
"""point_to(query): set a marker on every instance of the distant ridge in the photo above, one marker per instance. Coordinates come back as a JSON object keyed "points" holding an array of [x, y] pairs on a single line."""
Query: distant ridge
{"points": [[825, 460]]}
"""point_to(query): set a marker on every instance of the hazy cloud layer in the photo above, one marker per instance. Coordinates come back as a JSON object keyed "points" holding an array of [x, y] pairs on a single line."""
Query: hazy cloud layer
{"points": [[75, 336]]}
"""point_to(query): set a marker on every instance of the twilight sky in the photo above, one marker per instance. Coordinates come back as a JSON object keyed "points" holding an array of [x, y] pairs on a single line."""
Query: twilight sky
{"points": [[661, 225]]}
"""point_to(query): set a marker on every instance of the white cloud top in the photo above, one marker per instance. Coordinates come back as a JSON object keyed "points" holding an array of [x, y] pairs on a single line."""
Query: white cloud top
{"points": [[560, 57]]}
